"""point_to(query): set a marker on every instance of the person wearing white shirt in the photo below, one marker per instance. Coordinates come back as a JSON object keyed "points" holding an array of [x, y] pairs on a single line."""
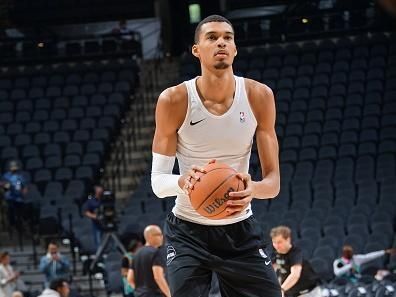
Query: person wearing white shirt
{"points": [[8, 277]]}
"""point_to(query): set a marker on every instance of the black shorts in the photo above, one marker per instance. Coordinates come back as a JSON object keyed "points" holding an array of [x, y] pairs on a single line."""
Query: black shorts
{"points": [[235, 252]]}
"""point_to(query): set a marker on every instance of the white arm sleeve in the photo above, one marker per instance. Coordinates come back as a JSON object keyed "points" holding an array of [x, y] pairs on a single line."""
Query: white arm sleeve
{"points": [[163, 182]]}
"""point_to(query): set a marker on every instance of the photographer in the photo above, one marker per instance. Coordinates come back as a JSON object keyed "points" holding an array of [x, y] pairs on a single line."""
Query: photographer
{"points": [[91, 209], [14, 185]]}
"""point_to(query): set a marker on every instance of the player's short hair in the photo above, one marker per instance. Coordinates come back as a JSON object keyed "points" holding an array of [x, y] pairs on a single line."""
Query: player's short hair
{"points": [[210, 19], [283, 231]]}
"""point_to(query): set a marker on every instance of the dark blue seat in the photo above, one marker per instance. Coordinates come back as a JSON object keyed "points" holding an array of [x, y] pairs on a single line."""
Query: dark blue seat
{"points": [[356, 241]]}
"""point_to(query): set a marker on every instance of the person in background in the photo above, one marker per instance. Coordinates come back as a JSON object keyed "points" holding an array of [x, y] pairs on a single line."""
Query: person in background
{"points": [[146, 273], [53, 264], [296, 276], [8, 277], [347, 268], [15, 188], [90, 210], [126, 262], [58, 287]]}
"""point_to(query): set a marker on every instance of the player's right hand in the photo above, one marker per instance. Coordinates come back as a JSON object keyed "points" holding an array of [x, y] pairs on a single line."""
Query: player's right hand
{"points": [[187, 180]]}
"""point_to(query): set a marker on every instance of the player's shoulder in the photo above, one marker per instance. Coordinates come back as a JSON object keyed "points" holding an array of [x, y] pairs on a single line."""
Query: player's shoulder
{"points": [[174, 95], [258, 91], [261, 98]]}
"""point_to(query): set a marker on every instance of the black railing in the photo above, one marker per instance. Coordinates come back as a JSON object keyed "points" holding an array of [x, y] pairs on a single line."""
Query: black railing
{"points": [[52, 49], [281, 27]]}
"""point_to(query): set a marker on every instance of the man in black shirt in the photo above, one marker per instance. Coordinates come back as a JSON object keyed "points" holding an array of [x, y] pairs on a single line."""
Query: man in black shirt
{"points": [[296, 276], [146, 273]]}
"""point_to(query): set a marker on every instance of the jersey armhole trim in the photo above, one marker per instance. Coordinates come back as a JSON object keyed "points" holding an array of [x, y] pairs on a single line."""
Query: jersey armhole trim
{"points": [[243, 89], [186, 83]]}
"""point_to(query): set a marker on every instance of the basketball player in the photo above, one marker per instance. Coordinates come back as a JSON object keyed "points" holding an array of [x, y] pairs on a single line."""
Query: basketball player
{"points": [[215, 116]]}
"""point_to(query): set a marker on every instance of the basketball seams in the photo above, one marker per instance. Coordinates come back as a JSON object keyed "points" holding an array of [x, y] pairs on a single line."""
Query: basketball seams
{"points": [[222, 183], [212, 186], [214, 169], [225, 207], [219, 168]]}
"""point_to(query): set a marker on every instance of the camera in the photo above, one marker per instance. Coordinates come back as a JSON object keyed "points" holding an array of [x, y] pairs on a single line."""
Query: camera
{"points": [[106, 212]]}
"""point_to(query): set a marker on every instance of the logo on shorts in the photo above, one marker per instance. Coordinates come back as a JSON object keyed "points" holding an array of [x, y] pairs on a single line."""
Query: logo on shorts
{"points": [[170, 254], [263, 254]]}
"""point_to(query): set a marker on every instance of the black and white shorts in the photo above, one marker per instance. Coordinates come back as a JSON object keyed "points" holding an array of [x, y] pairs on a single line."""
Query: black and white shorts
{"points": [[235, 252]]}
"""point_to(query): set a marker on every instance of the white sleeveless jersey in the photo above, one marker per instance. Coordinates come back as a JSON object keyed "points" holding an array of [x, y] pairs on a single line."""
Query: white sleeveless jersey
{"points": [[204, 136]]}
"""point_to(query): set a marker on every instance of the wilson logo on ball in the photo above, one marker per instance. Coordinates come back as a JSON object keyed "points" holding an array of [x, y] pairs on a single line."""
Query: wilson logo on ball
{"points": [[211, 191], [218, 202]]}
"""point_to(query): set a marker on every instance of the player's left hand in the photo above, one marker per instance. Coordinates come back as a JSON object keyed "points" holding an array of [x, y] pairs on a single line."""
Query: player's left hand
{"points": [[240, 200]]}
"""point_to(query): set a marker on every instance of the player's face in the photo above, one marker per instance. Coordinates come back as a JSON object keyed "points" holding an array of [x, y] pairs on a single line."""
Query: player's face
{"points": [[216, 46], [281, 244]]}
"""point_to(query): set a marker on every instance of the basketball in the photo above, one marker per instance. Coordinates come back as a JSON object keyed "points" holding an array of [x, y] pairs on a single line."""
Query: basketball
{"points": [[210, 193]]}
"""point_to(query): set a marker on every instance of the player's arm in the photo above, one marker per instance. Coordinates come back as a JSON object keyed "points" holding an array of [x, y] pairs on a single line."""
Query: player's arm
{"points": [[292, 279], [159, 277], [262, 102], [169, 116]]}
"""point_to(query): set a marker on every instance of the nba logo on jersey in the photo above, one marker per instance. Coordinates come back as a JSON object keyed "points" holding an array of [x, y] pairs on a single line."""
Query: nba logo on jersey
{"points": [[242, 117]]}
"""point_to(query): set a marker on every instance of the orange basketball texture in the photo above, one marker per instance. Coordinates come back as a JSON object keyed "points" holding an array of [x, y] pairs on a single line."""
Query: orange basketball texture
{"points": [[210, 193]]}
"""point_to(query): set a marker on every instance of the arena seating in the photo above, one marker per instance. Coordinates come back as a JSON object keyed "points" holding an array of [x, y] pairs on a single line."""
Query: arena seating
{"points": [[59, 121], [336, 124]]}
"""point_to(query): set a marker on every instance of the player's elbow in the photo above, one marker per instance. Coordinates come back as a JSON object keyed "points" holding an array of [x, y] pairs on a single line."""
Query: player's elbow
{"points": [[156, 187], [275, 189], [157, 191]]}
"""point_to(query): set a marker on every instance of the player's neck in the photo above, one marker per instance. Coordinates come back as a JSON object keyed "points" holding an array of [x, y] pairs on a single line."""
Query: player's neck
{"points": [[217, 86]]}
